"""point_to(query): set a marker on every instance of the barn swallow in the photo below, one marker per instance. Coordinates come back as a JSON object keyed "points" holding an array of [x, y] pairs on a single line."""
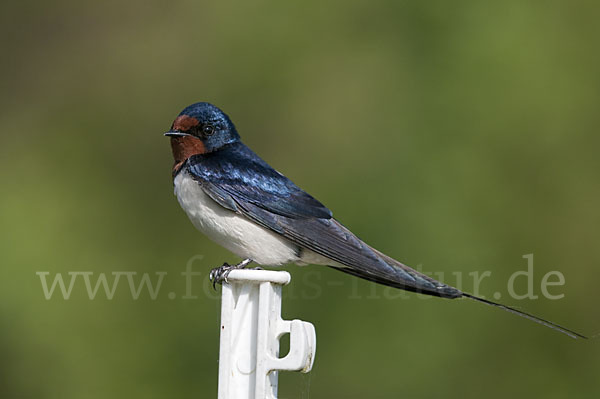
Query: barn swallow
{"points": [[240, 202]]}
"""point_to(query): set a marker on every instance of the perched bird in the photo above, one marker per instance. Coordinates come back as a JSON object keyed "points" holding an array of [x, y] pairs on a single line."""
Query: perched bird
{"points": [[239, 201]]}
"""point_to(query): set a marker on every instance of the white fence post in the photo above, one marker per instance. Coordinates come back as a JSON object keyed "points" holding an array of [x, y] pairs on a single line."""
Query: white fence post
{"points": [[251, 326]]}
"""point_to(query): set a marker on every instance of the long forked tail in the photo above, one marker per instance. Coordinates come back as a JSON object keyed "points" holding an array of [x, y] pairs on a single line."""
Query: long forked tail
{"points": [[528, 316], [453, 293]]}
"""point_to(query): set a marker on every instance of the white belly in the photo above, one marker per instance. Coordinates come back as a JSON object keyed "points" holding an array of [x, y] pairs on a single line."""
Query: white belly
{"points": [[236, 233]]}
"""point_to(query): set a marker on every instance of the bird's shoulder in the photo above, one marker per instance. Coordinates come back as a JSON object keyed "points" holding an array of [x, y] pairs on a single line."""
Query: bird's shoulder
{"points": [[237, 173]]}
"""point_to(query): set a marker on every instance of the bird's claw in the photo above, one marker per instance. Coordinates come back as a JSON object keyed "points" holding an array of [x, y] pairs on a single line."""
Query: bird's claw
{"points": [[218, 275]]}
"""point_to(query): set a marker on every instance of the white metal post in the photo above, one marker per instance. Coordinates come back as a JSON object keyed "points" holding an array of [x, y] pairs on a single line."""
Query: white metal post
{"points": [[251, 327]]}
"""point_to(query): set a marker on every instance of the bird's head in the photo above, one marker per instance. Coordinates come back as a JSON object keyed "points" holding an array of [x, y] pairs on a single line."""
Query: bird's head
{"points": [[199, 129]]}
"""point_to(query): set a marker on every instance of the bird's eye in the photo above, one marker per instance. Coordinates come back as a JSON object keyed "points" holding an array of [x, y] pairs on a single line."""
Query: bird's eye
{"points": [[208, 130]]}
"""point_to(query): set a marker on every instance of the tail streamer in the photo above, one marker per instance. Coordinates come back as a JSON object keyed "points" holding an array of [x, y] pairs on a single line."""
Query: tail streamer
{"points": [[528, 316]]}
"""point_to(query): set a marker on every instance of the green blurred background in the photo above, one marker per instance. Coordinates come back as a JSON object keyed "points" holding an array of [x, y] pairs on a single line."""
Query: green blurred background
{"points": [[458, 136]]}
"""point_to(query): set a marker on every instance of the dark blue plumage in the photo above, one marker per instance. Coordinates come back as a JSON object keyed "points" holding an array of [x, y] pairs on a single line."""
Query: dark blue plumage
{"points": [[239, 172], [241, 181]]}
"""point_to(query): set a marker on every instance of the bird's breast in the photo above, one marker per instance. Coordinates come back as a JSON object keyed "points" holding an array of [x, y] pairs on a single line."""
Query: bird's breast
{"points": [[231, 230]]}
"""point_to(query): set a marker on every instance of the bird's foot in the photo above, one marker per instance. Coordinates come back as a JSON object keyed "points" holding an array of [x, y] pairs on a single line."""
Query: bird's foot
{"points": [[219, 274]]}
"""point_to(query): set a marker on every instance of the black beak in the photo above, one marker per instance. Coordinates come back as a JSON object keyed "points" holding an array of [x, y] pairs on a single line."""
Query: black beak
{"points": [[176, 133]]}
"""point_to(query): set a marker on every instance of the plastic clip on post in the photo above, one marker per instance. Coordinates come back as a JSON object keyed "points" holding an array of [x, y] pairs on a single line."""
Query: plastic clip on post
{"points": [[251, 327]]}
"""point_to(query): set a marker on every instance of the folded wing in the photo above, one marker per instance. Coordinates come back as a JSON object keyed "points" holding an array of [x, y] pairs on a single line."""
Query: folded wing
{"points": [[242, 182]]}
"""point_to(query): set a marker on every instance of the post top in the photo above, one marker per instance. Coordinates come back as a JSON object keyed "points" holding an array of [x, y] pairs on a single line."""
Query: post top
{"points": [[258, 276]]}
